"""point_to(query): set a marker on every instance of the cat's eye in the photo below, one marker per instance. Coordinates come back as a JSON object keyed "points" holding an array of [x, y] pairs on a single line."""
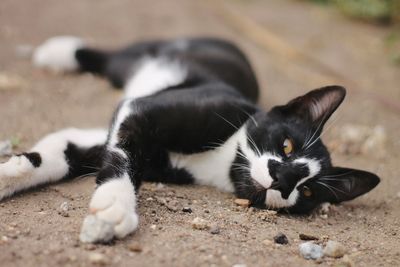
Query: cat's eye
{"points": [[307, 191], [288, 147]]}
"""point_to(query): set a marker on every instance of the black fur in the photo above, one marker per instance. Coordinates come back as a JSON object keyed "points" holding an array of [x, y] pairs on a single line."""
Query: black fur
{"points": [[34, 158], [83, 161]]}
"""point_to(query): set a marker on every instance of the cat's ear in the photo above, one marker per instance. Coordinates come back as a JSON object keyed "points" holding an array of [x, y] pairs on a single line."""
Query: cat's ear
{"points": [[343, 184], [317, 105]]}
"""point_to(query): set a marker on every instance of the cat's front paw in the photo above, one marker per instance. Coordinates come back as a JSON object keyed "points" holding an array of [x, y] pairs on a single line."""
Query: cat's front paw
{"points": [[14, 175], [112, 214]]}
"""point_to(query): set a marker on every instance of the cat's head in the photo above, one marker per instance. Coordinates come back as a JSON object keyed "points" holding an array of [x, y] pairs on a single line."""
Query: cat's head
{"points": [[287, 165]]}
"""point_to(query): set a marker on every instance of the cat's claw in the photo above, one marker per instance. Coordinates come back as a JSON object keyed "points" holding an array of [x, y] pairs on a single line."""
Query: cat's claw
{"points": [[112, 214]]}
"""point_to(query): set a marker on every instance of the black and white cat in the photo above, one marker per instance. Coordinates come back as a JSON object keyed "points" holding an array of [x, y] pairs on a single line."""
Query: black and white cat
{"points": [[188, 116]]}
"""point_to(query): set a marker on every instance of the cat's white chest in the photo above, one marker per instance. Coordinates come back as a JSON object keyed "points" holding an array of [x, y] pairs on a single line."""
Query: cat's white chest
{"points": [[211, 167]]}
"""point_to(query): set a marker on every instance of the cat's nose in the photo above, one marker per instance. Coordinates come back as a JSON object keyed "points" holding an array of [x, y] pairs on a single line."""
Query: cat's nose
{"points": [[273, 167], [284, 175]]}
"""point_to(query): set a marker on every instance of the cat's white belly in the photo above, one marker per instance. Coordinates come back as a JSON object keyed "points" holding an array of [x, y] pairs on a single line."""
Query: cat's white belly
{"points": [[211, 167]]}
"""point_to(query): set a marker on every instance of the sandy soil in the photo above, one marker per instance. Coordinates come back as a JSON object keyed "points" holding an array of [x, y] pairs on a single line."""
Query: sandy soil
{"points": [[34, 233]]}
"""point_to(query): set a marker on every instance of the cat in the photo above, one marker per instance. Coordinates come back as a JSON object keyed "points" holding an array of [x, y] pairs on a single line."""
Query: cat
{"points": [[189, 115]]}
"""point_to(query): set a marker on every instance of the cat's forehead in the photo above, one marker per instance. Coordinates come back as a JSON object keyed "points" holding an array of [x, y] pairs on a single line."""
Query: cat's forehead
{"points": [[277, 128]]}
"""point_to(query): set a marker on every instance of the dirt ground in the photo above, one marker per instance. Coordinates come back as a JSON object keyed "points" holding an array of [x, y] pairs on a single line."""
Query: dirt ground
{"points": [[332, 48]]}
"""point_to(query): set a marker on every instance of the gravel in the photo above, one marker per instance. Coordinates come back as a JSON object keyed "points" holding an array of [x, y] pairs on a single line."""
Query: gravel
{"points": [[309, 250], [334, 249], [242, 202], [187, 209], [307, 237], [63, 209], [281, 239], [135, 247], [200, 224], [215, 230], [98, 258]]}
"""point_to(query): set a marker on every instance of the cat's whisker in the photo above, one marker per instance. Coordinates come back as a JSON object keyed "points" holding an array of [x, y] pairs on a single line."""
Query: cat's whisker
{"points": [[325, 185], [91, 167], [322, 133], [316, 130], [230, 123], [339, 175], [329, 179], [306, 139], [337, 189], [251, 117], [333, 188], [254, 145], [241, 168], [86, 175]]}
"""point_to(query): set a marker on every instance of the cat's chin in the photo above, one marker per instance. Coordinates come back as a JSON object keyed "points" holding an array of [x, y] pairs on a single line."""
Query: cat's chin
{"points": [[274, 199]]}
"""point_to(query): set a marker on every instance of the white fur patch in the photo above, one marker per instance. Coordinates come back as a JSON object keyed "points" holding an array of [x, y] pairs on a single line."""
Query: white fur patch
{"points": [[58, 54], [123, 112], [18, 173], [258, 164], [275, 200], [313, 167], [154, 75], [211, 167], [114, 202]]}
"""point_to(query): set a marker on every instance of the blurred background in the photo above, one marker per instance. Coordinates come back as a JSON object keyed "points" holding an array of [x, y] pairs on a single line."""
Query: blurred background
{"points": [[294, 46]]}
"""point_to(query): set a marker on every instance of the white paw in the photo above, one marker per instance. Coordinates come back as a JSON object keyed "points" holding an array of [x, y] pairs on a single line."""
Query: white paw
{"points": [[14, 175], [58, 54], [112, 211]]}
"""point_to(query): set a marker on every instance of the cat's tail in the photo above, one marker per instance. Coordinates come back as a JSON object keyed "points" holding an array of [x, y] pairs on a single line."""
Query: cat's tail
{"points": [[69, 54]]}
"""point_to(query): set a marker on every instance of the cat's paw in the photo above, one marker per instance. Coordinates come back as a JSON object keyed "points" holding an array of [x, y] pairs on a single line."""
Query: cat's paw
{"points": [[112, 213], [14, 175], [58, 54]]}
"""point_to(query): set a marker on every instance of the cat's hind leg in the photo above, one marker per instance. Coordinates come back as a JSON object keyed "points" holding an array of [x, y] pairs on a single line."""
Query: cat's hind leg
{"points": [[64, 154]]}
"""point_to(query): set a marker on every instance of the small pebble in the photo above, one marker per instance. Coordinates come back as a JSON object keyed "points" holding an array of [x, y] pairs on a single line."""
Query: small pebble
{"points": [[309, 250], [98, 258], [187, 209], [215, 230], [153, 227], [324, 208], [172, 205], [306, 237], [200, 224], [334, 249], [135, 247], [89, 247], [324, 216], [63, 210], [281, 239], [242, 202], [160, 186]]}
